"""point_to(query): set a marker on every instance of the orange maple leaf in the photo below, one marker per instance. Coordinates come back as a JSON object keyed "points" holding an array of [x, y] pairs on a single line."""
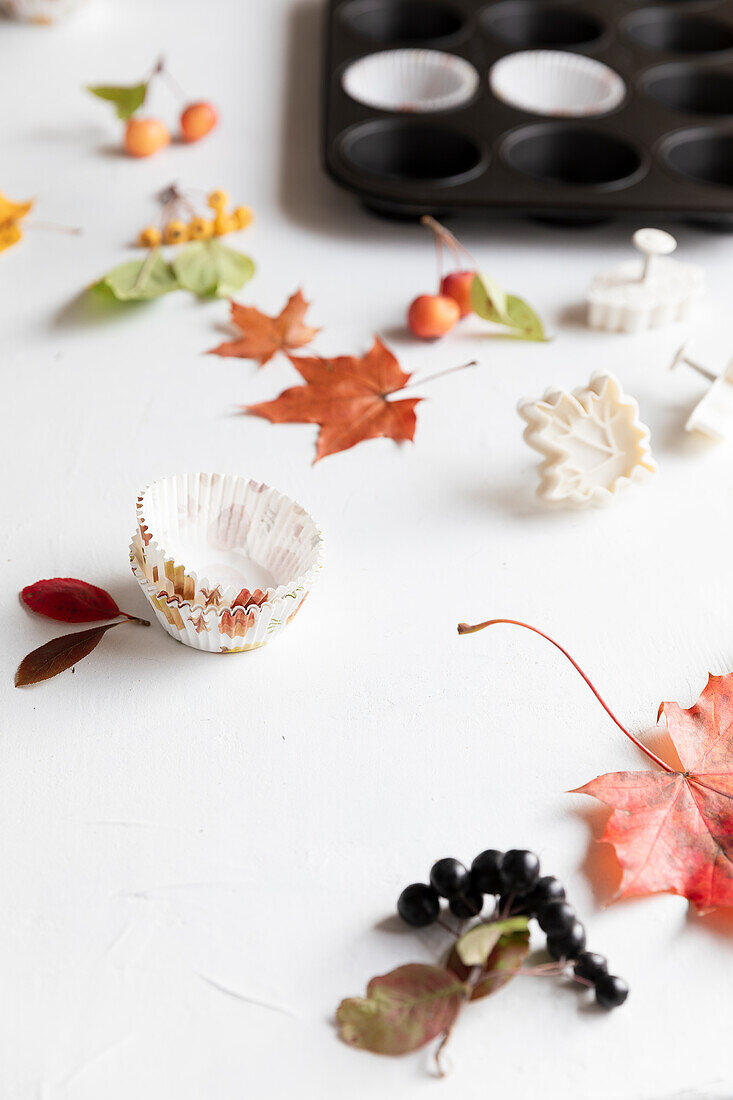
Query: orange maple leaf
{"points": [[263, 336], [348, 397]]}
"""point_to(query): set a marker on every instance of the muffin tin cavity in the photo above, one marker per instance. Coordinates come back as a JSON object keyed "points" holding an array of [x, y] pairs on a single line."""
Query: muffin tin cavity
{"points": [[703, 155], [401, 150], [664, 30], [560, 153], [571, 111], [555, 83], [398, 22], [411, 80], [532, 24], [692, 89]]}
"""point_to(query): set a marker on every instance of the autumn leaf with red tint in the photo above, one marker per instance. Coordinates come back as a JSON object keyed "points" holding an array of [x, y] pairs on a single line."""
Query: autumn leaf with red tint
{"points": [[263, 336], [67, 600], [349, 398], [61, 653], [672, 828], [70, 601], [672, 831], [402, 1010]]}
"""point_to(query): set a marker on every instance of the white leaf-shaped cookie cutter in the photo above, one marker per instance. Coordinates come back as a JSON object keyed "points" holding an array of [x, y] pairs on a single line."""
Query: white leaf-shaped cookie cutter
{"points": [[592, 441]]}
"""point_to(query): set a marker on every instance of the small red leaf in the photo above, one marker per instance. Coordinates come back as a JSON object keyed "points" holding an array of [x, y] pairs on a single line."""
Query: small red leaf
{"points": [[58, 655], [70, 601]]}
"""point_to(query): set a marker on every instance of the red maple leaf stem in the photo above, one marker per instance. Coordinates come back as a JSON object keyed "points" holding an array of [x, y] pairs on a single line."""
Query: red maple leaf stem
{"points": [[465, 628], [438, 374]]}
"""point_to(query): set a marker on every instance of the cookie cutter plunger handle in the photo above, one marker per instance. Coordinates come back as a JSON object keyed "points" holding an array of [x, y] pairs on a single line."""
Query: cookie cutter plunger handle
{"points": [[651, 243], [681, 356]]}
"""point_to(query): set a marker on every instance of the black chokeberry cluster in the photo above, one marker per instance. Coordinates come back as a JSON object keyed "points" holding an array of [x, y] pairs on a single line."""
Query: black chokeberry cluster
{"points": [[512, 881]]}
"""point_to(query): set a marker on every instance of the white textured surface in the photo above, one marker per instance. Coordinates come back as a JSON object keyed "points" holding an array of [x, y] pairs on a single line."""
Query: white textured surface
{"points": [[174, 825]]}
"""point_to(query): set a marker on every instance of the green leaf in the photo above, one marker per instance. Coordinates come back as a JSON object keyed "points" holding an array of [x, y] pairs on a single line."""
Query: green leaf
{"points": [[492, 304], [403, 1010], [489, 300], [476, 945], [140, 280], [524, 319], [501, 965], [127, 99], [207, 267]]}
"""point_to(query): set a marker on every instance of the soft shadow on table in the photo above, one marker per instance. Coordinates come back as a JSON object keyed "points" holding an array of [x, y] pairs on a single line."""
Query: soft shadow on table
{"points": [[515, 496], [307, 195], [88, 308], [671, 436], [600, 865], [719, 922]]}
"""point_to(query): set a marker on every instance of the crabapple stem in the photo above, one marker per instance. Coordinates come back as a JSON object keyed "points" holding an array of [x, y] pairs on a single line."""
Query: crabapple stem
{"points": [[464, 628]]}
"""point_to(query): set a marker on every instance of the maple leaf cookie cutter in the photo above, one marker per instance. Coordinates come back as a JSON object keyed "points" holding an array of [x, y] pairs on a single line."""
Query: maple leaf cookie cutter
{"points": [[592, 441]]}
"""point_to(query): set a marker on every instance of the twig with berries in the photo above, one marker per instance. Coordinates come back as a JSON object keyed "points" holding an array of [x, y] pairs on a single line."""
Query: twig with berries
{"points": [[500, 894]]}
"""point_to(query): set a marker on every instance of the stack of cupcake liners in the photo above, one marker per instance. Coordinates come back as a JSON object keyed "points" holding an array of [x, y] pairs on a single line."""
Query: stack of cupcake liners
{"points": [[225, 562]]}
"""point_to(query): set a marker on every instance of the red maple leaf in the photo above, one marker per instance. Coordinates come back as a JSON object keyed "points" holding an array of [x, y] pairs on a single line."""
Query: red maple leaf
{"points": [[348, 397], [263, 336], [672, 828]]}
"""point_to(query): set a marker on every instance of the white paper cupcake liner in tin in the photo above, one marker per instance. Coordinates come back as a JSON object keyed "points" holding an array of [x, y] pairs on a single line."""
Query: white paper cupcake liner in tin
{"points": [[225, 550], [218, 629], [40, 11], [418, 81], [556, 84]]}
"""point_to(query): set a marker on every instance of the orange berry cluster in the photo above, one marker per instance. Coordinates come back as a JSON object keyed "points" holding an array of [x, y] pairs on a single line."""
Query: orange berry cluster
{"points": [[176, 231]]}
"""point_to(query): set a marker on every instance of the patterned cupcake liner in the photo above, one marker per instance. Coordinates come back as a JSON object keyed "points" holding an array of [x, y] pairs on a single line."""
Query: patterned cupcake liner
{"points": [[218, 629], [254, 555]]}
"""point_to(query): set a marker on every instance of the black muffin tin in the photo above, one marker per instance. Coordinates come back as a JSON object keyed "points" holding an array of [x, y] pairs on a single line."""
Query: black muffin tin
{"points": [[666, 152]]}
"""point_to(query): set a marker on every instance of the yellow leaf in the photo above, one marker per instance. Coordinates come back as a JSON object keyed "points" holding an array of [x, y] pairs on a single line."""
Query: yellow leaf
{"points": [[12, 211], [9, 234]]}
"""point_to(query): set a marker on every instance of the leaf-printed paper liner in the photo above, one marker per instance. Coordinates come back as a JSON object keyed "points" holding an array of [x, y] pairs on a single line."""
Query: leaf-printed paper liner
{"points": [[210, 626], [225, 518], [592, 441]]}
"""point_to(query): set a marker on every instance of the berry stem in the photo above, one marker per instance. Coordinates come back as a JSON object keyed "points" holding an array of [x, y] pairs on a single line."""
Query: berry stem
{"points": [[464, 628], [445, 239], [161, 70], [441, 923]]}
